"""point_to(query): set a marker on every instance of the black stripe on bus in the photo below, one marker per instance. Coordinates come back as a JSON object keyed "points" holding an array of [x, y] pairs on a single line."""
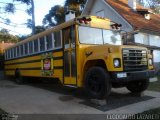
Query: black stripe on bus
{"points": [[58, 58], [36, 54], [32, 61], [25, 62], [58, 67], [36, 68]]}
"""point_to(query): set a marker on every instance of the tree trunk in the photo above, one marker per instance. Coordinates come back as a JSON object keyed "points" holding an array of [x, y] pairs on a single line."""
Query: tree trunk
{"points": [[33, 18]]}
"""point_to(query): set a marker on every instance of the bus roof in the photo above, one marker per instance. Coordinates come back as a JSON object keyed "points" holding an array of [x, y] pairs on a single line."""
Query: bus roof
{"points": [[93, 21]]}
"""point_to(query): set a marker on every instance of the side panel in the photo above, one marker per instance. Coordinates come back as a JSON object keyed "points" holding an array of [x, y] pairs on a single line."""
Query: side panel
{"points": [[32, 66]]}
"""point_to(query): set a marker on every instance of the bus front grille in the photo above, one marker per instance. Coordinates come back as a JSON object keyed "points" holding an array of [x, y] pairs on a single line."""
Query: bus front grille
{"points": [[134, 59]]}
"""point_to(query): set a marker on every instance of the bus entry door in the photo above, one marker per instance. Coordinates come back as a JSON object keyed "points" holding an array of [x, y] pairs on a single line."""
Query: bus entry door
{"points": [[70, 69]]}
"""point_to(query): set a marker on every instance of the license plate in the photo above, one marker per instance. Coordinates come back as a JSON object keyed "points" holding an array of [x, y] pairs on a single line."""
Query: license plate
{"points": [[121, 75]]}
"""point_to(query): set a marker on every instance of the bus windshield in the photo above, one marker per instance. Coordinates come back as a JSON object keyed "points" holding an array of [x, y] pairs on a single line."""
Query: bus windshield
{"points": [[89, 35]]}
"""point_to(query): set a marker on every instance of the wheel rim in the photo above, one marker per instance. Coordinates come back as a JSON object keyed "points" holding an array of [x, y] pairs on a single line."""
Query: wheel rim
{"points": [[94, 83]]}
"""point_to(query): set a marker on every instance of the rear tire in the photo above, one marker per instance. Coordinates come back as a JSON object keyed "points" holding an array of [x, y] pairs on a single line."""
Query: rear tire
{"points": [[138, 86], [97, 83], [18, 78]]}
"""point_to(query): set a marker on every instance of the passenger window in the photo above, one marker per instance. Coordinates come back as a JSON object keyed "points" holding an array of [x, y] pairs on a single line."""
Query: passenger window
{"points": [[9, 55], [26, 48], [14, 51], [49, 41], [69, 37], [57, 38], [30, 47], [42, 44], [35, 46], [73, 37], [22, 51], [18, 51]]}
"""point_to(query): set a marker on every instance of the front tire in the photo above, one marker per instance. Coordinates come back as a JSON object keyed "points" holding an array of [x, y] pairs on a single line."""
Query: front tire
{"points": [[138, 86], [97, 83]]}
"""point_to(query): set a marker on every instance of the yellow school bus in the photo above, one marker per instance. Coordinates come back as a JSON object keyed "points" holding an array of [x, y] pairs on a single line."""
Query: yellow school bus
{"points": [[86, 52], [1, 58]]}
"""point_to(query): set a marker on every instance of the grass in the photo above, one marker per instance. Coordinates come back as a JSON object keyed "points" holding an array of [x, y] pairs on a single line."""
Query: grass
{"points": [[153, 114], [155, 86]]}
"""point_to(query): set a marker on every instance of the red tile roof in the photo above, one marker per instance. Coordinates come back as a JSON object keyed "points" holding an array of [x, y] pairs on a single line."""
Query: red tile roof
{"points": [[3, 45], [134, 18]]}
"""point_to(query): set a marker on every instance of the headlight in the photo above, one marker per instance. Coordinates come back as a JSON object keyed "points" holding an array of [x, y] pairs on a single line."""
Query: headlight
{"points": [[150, 62], [117, 63]]}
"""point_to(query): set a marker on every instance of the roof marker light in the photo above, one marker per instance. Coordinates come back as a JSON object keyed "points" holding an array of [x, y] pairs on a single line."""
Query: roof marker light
{"points": [[84, 20], [116, 26]]}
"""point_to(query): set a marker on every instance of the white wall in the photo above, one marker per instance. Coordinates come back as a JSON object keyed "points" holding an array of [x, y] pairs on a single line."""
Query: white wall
{"points": [[156, 55], [147, 39]]}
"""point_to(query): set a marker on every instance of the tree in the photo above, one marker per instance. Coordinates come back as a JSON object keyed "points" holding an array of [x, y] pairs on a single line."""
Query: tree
{"points": [[75, 5], [11, 8], [6, 37], [57, 13], [4, 31], [30, 11], [39, 29], [153, 4], [55, 16]]}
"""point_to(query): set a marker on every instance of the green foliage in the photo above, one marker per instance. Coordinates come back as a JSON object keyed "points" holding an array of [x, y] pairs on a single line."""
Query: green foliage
{"points": [[6, 37], [39, 29], [30, 11], [153, 4], [154, 86], [29, 23], [55, 16], [10, 8], [7, 21], [57, 13], [5, 31], [24, 37], [76, 5]]}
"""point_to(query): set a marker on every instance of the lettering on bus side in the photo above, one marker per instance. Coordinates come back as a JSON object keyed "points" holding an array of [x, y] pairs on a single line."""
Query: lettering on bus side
{"points": [[47, 64]]}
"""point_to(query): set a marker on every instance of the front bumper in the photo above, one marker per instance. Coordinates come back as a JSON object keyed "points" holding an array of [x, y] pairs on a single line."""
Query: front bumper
{"points": [[131, 76]]}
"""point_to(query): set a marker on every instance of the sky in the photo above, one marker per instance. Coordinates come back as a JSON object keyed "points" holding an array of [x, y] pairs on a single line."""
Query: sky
{"points": [[42, 8]]}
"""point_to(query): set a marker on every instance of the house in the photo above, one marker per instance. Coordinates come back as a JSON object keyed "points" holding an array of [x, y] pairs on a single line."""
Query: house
{"points": [[133, 17]]}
